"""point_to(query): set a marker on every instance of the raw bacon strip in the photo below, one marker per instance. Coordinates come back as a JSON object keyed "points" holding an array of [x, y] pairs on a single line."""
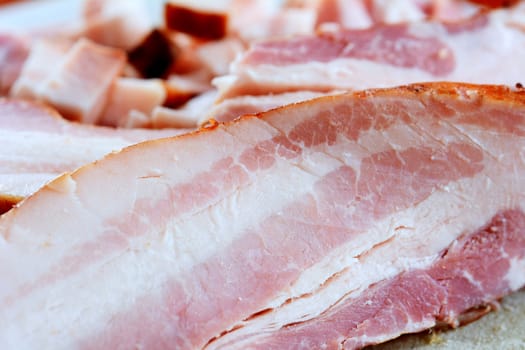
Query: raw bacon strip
{"points": [[233, 235], [384, 56], [38, 145]]}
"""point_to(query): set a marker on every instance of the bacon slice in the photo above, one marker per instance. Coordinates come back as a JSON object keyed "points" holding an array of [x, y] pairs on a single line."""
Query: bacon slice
{"points": [[335, 223], [383, 56], [38, 145]]}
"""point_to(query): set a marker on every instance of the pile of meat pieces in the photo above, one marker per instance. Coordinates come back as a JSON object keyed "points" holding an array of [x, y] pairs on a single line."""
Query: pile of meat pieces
{"points": [[295, 227], [214, 60]]}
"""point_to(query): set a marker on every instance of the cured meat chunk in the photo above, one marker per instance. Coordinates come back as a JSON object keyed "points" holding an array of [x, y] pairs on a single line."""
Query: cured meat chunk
{"points": [[131, 94], [117, 23], [298, 228], [38, 145], [58, 74], [208, 21], [154, 55], [13, 53], [385, 55]]}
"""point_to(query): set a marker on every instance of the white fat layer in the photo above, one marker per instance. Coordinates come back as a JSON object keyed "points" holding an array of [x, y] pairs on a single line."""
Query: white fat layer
{"points": [[409, 239], [58, 150], [515, 276]]}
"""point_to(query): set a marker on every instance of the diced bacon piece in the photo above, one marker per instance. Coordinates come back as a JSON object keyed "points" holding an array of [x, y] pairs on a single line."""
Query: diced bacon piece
{"points": [[395, 11], [217, 55], [153, 57], [383, 56], [233, 108], [116, 23], [347, 13], [44, 56], [38, 145], [130, 94], [187, 116], [203, 19], [13, 53], [495, 3], [453, 11], [77, 84], [181, 88], [261, 19], [335, 223]]}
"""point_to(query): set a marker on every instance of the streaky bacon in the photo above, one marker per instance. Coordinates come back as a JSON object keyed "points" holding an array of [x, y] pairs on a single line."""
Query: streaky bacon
{"points": [[383, 56], [299, 227], [38, 145]]}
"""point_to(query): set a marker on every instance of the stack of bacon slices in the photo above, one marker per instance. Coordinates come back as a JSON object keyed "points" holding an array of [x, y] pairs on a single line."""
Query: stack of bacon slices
{"points": [[253, 174]]}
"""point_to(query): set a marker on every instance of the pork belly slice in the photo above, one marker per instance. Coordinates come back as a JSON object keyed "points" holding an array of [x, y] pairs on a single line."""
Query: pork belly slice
{"points": [[383, 56], [38, 145], [73, 78], [247, 233]]}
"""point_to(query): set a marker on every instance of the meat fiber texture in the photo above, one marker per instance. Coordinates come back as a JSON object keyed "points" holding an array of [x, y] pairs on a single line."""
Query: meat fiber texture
{"points": [[483, 49], [336, 223], [38, 145]]}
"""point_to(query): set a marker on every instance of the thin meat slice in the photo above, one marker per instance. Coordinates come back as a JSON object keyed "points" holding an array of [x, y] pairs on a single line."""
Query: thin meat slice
{"points": [[385, 55], [334, 223], [38, 145]]}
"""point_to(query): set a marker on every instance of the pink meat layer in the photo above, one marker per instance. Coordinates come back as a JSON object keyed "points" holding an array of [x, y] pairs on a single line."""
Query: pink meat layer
{"points": [[186, 242]]}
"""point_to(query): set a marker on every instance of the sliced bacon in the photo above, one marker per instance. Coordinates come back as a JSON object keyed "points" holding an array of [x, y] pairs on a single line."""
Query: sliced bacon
{"points": [[38, 145], [386, 55], [342, 221]]}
